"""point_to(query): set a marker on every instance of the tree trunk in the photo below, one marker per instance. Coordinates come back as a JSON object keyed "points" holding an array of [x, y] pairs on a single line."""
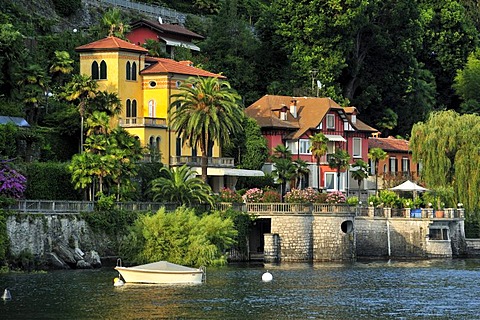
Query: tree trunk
{"points": [[204, 164]]}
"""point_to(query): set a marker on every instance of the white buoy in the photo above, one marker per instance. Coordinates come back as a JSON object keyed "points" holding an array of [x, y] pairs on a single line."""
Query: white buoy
{"points": [[117, 282], [267, 277], [6, 295]]}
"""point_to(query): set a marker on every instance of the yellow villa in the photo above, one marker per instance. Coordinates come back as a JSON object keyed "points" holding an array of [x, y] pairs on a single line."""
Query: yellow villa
{"points": [[145, 85]]}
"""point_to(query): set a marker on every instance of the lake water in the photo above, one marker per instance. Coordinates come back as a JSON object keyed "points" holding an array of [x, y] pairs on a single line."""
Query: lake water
{"points": [[435, 289]]}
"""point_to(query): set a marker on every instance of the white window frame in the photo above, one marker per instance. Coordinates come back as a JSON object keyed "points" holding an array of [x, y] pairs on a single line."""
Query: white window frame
{"points": [[292, 145], [405, 164], [342, 181], [330, 121], [304, 146], [357, 147], [393, 164]]}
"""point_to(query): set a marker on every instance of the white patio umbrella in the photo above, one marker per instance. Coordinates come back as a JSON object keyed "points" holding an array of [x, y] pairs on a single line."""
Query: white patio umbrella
{"points": [[409, 186]]}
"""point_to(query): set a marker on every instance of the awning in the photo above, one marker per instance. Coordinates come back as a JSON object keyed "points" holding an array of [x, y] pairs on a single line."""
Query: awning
{"points": [[334, 137], [20, 122], [178, 43], [230, 172]]}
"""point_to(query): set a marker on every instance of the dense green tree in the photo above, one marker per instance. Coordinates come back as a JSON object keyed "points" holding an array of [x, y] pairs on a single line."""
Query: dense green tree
{"points": [[301, 172], [180, 237], [445, 146], [248, 147], [375, 155], [180, 185], [339, 161], [284, 171], [204, 112], [230, 49], [467, 84]]}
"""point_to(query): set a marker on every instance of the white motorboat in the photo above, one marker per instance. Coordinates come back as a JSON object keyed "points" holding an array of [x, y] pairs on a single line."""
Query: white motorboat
{"points": [[161, 272]]}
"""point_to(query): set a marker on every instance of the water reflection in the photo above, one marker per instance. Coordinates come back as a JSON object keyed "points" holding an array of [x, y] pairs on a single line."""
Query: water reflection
{"points": [[435, 289]]}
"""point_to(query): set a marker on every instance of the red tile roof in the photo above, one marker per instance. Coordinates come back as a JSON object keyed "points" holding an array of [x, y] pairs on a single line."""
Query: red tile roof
{"points": [[166, 28], [111, 44], [163, 65], [310, 112], [389, 144]]}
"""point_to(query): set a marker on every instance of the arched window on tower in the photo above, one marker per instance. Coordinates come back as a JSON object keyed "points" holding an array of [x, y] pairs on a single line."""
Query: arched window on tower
{"points": [[134, 71], [103, 70], [95, 70], [128, 71]]}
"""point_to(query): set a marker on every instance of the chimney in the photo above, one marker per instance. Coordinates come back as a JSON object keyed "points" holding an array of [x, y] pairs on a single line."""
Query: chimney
{"points": [[293, 108], [187, 63]]}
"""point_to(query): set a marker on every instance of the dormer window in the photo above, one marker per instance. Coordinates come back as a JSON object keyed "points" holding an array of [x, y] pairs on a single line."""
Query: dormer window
{"points": [[330, 121], [354, 118], [283, 115]]}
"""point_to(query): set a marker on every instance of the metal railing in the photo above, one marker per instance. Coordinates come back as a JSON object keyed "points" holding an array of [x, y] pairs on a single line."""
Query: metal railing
{"points": [[153, 10], [143, 122], [218, 162], [76, 207]]}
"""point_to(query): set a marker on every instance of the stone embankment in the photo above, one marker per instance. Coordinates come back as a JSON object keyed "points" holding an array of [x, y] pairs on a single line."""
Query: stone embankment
{"points": [[56, 241]]}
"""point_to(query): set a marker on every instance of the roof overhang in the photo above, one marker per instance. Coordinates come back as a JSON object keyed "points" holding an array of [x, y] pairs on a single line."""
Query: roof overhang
{"points": [[230, 172], [335, 138], [178, 43]]}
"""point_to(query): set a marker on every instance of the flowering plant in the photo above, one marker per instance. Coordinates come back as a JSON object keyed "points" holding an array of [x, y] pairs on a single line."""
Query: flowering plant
{"points": [[271, 196], [229, 195], [336, 197], [253, 195], [308, 195], [12, 183]]}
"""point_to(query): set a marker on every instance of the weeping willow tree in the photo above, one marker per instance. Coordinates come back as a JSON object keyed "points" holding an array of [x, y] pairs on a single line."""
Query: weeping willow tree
{"points": [[447, 147]]}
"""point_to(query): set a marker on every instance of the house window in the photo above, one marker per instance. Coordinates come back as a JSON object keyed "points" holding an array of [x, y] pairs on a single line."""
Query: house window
{"points": [[331, 181], [292, 146], [283, 115], [393, 165], [103, 70], [134, 71], [178, 84], [354, 118], [330, 121], [357, 147], [406, 165], [128, 71], [438, 234], [210, 149], [131, 111], [304, 146], [194, 152], [330, 147], [95, 74], [152, 142], [178, 147]]}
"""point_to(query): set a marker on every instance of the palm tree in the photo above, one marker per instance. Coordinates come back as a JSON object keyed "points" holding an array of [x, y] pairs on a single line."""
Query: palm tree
{"points": [[301, 171], [62, 64], [318, 147], [34, 83], [339, 161], [107, 102], [281, 152], [112, 21], [376, 154], [360, 172], [205, 111], [181, 186], [82, 89], [284, 171]]}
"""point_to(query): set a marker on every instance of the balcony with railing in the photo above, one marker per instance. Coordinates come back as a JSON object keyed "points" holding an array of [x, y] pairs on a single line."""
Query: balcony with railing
{"points": [[143, 122], [190, 161]]}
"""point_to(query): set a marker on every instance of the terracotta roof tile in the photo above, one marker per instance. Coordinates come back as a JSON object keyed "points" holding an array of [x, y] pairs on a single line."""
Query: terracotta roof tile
{"points": [[166, 28], [389, 144], [111, 44], [310, 112], [163, 65]]}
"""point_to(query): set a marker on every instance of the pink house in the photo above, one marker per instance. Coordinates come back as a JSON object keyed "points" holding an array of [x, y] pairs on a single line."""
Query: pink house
{"points": [[292, 120]]}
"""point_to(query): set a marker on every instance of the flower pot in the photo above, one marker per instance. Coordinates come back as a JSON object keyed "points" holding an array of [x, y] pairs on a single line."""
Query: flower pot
{"points": [[439, 213]]}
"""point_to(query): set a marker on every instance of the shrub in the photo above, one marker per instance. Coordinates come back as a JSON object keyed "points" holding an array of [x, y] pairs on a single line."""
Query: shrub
{"points": [[308, 195], [352, 201], [271, 196], [254, 195], [229, 195], [390, 199], [180, 237], [336, 197], [12, 183]]}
